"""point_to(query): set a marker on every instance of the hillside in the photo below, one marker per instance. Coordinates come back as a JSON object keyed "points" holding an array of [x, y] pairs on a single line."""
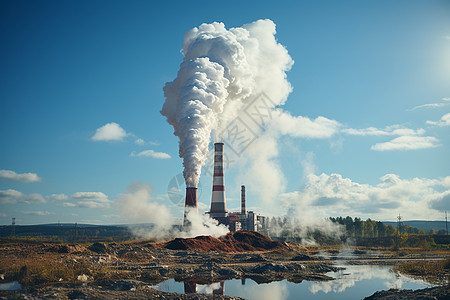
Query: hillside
{"points": [[425, 225]]}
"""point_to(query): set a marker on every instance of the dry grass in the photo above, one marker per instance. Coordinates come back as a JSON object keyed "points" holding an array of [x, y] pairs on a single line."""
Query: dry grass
{"points": [[431, 271], [32, 271], [50, 268]]}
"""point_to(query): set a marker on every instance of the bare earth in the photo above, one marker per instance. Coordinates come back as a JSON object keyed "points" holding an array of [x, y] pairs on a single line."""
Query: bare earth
{"points": [[129, 270]]}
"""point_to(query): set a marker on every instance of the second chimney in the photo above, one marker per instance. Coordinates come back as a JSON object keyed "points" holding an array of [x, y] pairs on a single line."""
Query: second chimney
{"points": [[243, 212]]}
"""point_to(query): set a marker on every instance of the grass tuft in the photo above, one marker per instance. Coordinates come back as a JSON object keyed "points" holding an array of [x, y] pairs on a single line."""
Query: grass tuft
{"points": [[432, 271]]}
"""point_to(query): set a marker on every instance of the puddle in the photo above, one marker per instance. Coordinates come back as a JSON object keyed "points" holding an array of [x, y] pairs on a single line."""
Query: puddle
{"points": [[355, 282], [10, 286]]}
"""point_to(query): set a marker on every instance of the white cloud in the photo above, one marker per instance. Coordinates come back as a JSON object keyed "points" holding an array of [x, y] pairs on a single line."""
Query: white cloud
{"points": [[24, 177], [57, 197], [430, 105], [303, 127], [408, 139], [32, 199], [387, 131], [11, 196], [333, 195], [139, 141], [38, 213], [80, 199], [434, 105], [441, 202], [444, 121], [404, 143], [151, 153], [90, 199], [109, 132], [446, 37]]}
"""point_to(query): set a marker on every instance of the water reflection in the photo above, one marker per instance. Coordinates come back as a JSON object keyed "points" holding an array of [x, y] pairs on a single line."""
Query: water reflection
{"points": [[357, 281], [217, 288], [10, 286], [190, 287], [353, 274], [265, 291]]}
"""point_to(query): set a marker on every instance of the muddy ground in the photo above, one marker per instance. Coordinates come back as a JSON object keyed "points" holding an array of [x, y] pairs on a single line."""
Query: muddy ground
{"points": [[129, 270]]}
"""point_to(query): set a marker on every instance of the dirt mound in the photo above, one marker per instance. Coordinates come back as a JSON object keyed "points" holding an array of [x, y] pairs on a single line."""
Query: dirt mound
{"points": [[98, 248], [243, 240], [247, 240], [202, 243]]}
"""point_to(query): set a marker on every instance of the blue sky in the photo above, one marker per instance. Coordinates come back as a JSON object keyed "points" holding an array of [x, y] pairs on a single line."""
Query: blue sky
{"points": [[68, 68]]}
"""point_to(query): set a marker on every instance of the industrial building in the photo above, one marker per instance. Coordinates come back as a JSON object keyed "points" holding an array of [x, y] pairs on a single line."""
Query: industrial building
{"points": [[247, 220]]}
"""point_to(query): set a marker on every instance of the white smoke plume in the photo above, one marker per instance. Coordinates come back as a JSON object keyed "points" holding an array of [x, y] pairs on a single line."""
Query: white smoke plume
{"points": [[305, 231], [201, 224], [221, 70], [137, 205]]}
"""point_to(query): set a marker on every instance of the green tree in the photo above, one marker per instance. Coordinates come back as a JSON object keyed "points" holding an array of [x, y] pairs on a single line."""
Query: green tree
{"points": [[381, 229], [359, 230], [391, 230]]}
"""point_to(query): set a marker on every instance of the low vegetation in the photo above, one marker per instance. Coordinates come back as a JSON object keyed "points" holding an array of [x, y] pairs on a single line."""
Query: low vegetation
{"points": [[32, 272], [33, 266], [436, 272]]}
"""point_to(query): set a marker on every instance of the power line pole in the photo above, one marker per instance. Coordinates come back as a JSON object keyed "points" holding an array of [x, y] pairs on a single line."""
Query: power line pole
{"points": [[446, 226], [13, 227], [399, 230]]}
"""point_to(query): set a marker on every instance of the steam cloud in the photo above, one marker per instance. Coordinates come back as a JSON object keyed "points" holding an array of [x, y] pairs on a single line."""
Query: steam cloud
{"points": [[137, 205], [302, 230], [221, 71]]}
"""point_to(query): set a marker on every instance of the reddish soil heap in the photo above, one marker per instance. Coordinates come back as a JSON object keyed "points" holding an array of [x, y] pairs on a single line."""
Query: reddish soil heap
{"points": [[243, 240]]}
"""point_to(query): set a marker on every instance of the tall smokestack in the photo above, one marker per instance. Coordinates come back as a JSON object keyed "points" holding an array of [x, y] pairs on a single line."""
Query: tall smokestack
{"points": [[243, 212], [218, 208], [191, 202]]}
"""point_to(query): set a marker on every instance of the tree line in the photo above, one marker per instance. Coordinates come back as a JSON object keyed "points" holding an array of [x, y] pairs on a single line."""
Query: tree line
{"points": [[359, 228], [361, 232]]}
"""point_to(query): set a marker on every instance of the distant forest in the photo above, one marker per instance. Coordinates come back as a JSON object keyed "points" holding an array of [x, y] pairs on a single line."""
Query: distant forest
{"points": [[372, 233], [370, 228], [362, 233]]}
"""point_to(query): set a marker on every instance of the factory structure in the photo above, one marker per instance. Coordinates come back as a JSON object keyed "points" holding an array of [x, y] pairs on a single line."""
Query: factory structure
{"points": [[247, 220], [235, 221]]}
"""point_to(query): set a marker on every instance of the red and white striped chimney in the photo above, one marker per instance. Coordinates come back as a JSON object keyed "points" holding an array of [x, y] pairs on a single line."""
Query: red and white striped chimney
{"points": [[218, 205]]}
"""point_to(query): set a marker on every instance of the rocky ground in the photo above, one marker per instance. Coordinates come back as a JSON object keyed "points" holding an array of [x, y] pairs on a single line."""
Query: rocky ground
{"points": [[436, 293], [129, 270]]}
